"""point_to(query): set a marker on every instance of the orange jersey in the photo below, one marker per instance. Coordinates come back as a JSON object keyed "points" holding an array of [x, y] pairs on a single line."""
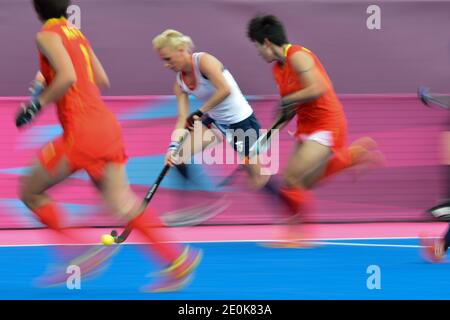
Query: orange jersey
{"points": [[322, 113], [92, 136], [81, 106]]}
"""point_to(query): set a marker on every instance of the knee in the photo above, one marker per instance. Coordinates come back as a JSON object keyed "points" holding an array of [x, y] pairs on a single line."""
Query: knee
{"points": [[258, 182], [292, 180], [25, 193]]}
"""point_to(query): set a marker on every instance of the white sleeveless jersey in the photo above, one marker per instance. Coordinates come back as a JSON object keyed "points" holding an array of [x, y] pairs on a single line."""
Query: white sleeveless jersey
{"points": [[233, 109]]}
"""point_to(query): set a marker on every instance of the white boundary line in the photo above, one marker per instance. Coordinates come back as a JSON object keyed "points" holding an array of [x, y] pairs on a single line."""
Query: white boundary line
{"points": [[367, 244], [324, 241]]}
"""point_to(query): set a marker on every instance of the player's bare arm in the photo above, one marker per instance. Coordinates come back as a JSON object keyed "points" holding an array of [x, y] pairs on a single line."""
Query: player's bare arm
{"points": [[213, 70], [315, 85], [51, 46], [100, 75]]}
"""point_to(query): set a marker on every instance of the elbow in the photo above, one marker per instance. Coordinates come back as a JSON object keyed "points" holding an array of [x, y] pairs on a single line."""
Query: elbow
{"points": [[226, 91], [107, 84], [104, 83], [320, 91], [70, 80], [69, 77]]}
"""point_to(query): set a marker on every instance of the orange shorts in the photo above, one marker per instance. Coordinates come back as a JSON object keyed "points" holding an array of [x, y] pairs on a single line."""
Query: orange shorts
{"points": [[82, 155], [330, 134]]}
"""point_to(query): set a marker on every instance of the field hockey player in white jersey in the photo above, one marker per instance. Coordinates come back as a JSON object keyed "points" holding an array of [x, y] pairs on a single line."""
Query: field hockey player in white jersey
{"points": [[223, 106]]}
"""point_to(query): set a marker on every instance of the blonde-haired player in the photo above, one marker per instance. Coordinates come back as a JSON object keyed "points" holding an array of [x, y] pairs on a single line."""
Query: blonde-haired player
{"points": [[203, 76]]}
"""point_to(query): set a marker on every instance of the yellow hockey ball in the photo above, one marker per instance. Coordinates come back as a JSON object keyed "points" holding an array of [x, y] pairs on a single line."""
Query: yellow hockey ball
{"points": [[107, 239]]}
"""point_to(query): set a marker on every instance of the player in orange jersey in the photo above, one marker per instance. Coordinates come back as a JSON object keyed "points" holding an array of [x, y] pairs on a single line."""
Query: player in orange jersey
{"points": [[91, 141], [321, 134]]}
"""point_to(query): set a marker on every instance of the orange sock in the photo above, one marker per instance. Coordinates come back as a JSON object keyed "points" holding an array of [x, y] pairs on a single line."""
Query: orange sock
{"points": [[148, 224], [299, 200], [340, 161], [50, 215]]}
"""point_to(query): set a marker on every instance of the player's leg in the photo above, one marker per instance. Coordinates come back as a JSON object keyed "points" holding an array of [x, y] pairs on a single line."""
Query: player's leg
{"points": [[307, 163], [362, 155], [242, 136], [180, 261], [257, 178], [447, 240], [51, 167], [308, 159], [443, 208], [190, 211], [435, 250], [440, 246]]}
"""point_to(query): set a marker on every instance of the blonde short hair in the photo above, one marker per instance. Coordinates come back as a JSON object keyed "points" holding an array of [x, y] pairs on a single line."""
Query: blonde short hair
{"points": [[172, 39]]}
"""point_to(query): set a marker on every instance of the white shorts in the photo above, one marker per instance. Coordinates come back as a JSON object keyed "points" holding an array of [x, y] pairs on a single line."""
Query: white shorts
{"points": [[323, 137]]}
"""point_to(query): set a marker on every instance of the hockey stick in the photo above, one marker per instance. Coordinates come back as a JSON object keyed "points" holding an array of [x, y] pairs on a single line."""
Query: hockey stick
{"points": [[428, 98], [148, 197], [260, 145]]}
